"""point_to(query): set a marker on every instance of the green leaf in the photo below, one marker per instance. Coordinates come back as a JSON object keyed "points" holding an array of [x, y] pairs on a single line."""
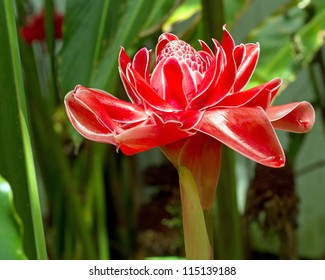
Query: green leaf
{"points": [[288, 41], [97, 29], [83, 30], [17, 163], [11, 241], [127, 31], [254, 14]]}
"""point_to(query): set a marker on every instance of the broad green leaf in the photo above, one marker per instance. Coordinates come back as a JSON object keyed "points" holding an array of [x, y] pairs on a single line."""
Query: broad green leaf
{"points": [[17, 164], [83, 30], [275, 37], [126, 33], [288, 42], [97, 29], [11, 241], [253, 14]]}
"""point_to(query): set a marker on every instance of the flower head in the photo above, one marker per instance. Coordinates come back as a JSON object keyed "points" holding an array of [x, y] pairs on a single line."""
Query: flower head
{"points": [[34, 30], [190, 95]]}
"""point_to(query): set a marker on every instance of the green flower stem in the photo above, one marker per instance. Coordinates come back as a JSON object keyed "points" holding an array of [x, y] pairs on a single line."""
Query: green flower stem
{"points": [[208, 218], [197, 244], [229, 232]]}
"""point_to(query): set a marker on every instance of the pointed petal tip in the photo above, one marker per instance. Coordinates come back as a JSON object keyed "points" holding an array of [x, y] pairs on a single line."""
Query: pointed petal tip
{"points": [[307, 125], [71, 94], [122, 50], [297, 117], [77, 88], [274, 161]]}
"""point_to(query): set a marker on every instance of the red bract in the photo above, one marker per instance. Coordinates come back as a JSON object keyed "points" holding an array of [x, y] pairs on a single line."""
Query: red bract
{"points": [[34, 30], [190, 96]]}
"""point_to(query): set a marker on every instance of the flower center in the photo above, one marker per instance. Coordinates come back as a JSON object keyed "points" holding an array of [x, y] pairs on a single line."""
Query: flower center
{"points": [[184, 52]]}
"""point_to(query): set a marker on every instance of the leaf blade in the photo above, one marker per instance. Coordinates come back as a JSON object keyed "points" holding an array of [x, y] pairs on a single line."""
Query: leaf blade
{"points": [[17, 163], [11, 237]]}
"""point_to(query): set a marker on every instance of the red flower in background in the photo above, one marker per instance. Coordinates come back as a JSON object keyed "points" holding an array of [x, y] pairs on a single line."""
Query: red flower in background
{"points": [[35, 27], [190, 97]]}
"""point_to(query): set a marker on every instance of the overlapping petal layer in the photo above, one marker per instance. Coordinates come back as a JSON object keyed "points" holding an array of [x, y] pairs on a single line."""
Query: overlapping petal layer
{"points": [[247, 131], [100, 117], [190, 98]]}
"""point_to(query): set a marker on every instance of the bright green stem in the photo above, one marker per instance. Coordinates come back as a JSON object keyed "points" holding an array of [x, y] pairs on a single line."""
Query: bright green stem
{"points": [[28, 153], [208, 217], [197, 244], [229, 232]]}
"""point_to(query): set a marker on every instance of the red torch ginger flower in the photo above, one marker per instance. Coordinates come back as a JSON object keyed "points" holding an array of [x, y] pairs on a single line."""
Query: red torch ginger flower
{"points": [[190, 95], [34, 30]]}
